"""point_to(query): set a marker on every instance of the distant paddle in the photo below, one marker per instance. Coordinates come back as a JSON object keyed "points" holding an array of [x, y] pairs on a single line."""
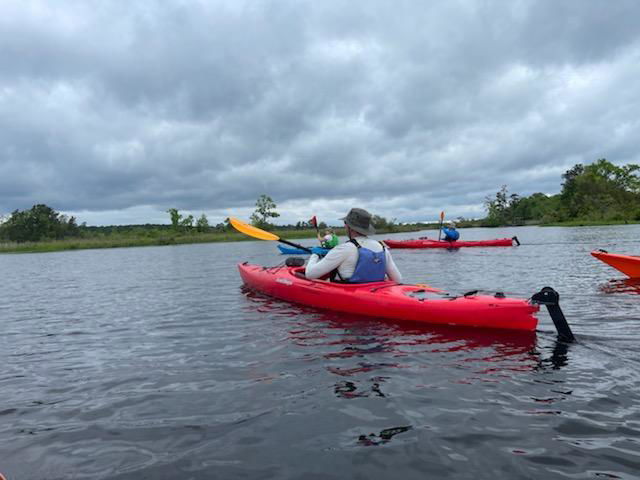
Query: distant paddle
{"points": [[314, 223], [260, 234], [441, 222]]}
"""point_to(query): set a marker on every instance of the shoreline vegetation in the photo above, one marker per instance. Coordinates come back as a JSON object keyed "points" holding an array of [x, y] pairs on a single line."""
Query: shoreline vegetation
{"points": [[593, 195], [160, 235]]}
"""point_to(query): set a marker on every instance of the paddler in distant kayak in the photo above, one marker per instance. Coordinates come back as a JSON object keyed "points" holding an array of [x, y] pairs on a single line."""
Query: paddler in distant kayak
{"points": [[329, 239], [360, 260], [450, 232]]}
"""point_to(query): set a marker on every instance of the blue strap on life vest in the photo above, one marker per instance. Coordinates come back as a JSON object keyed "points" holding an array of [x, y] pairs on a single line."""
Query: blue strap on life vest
{"points": [[371, 266]]}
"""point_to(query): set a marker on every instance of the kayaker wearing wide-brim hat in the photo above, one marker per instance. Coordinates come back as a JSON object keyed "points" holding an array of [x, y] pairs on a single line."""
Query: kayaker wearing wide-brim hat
{"points": [[359, 260]]}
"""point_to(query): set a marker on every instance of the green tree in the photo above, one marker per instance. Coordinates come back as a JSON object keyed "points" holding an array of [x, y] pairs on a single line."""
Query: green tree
{"points": [[265, 209], [502, 209], [536, 207], [176, 218], [187, 222], [601, 191], [202, 225], [379, 223], [622, 178], [72, 229], [38, 223]]}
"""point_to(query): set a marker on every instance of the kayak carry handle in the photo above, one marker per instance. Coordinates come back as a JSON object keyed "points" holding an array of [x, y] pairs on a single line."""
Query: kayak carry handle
{"points": [[549, 297], [515, 239]]}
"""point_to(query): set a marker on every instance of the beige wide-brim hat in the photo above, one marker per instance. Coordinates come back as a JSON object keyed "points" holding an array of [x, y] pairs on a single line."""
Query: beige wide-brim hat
{"points": [[359, 220]]}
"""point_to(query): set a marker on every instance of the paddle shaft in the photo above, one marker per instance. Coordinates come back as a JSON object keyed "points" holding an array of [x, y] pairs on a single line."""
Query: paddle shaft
{"points": [[296, 245], [315, 224]]}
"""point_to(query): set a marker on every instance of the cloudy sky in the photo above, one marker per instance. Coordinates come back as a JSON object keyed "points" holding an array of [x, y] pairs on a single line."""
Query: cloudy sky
{"points": [[116, 111]]}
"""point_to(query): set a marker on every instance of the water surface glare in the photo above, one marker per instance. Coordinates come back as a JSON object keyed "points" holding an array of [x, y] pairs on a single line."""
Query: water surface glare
{"points": [[156, 363]]}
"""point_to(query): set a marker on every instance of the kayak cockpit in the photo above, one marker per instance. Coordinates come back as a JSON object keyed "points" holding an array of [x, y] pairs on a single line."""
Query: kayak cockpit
{"points": [[415, 291], [298, 272]]}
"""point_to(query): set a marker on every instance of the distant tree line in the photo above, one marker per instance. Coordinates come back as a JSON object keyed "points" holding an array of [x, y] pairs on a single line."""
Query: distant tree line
{"points": [[600, 191], [38, 223], [41, 223]]}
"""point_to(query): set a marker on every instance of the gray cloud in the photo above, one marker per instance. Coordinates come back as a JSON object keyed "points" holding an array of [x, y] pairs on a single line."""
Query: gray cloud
{"points": [[117, 112]]}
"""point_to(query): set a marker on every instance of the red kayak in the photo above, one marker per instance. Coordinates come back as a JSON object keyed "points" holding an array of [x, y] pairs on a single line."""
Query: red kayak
{"points": [[411, 303], [627, 264], [428, 243]]}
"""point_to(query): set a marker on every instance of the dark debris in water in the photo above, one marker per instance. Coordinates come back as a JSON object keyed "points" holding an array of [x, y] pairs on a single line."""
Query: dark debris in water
{"points": [[544, 412], [349, 390], [383, 437], [606, 475]]}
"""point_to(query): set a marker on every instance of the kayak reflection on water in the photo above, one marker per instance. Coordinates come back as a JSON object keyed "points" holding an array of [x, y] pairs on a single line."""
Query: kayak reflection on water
{"points": [[347, 336], [623, 285]]}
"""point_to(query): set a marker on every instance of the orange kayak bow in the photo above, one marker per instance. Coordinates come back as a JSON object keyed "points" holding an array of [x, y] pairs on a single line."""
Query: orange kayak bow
{"points": [[627, 264]]}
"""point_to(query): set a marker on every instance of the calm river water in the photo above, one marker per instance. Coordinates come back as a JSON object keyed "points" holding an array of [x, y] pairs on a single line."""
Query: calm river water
{"points": [[155, 363]]}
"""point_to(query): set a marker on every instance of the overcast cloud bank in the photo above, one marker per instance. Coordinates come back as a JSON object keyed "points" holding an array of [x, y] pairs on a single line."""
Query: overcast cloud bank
{"points": [[117, 111]]}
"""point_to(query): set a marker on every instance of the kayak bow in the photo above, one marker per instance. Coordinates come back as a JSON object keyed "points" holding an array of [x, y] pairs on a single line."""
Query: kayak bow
{"points": [[627, 264]]}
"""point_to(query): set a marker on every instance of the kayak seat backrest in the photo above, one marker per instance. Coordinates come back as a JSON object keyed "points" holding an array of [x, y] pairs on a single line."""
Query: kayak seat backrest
{"points": [[294, 262]]}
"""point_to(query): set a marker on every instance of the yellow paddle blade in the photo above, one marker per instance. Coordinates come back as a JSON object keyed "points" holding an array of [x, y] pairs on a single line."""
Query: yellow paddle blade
{"points": [[251, 230], [442, 215]]}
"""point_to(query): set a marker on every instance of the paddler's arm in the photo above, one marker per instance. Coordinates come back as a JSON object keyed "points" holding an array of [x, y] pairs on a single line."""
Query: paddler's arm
{"points": [[317, 267], [392, 271]]}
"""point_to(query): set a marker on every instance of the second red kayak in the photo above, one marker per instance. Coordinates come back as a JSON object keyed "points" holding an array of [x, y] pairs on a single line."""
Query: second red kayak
{"points": [[411, 303], [429, 243], [627, 264]]}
